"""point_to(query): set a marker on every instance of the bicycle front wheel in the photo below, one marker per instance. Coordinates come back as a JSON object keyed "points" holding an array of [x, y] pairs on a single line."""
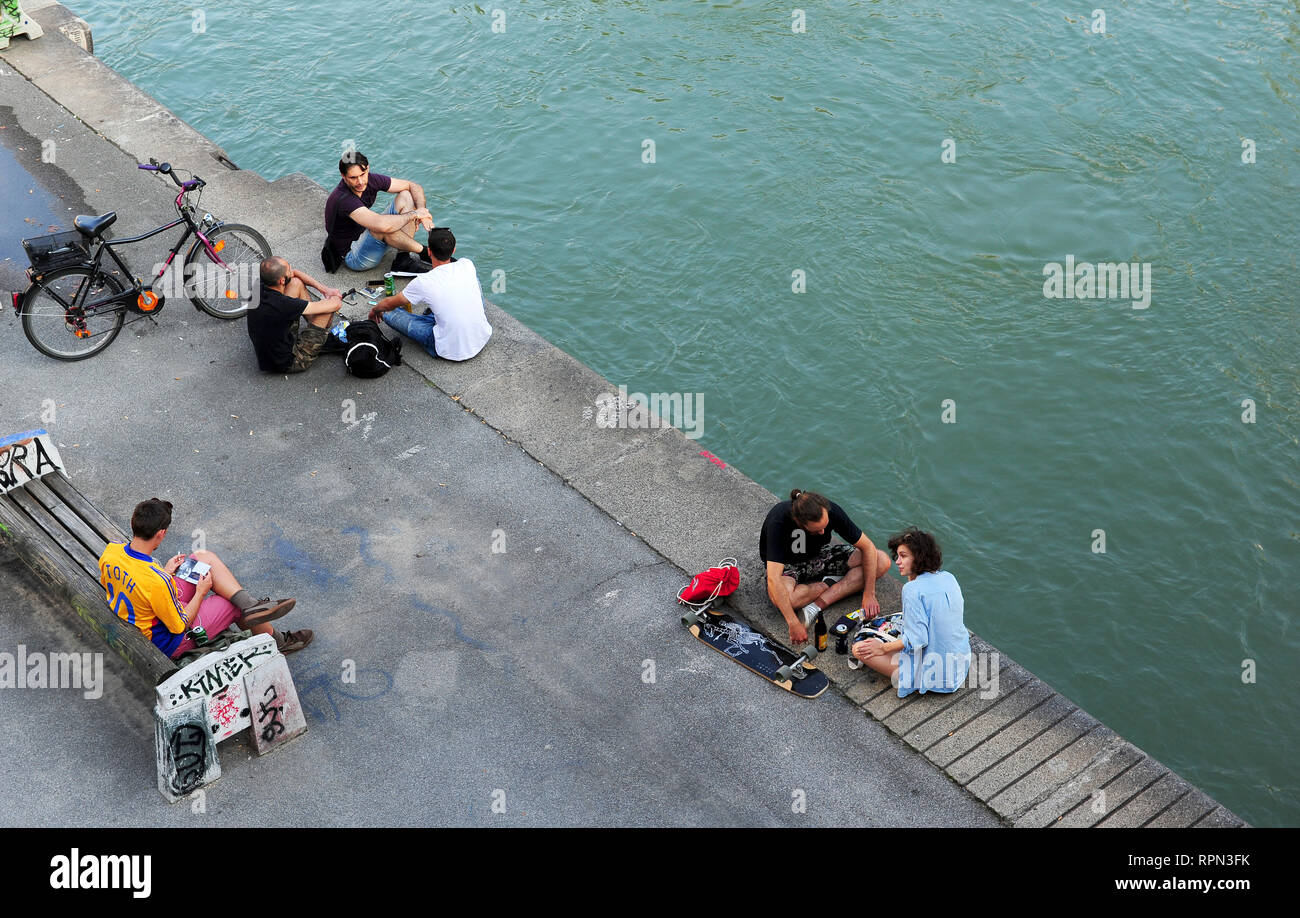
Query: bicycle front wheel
{"points": [[226, 291], [72, 316]]}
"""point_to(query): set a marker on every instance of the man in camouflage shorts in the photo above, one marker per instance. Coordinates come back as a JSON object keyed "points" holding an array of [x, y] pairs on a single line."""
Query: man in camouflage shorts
{"points": [[831, 561], [809, 572], [282, 343]]}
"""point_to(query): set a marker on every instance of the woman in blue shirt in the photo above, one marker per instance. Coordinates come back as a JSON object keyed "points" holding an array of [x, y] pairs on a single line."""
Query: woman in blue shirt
{"points": [[934, 654]]}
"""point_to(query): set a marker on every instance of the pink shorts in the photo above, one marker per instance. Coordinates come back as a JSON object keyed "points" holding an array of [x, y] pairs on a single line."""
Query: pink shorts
{"points": [[215, 614]]}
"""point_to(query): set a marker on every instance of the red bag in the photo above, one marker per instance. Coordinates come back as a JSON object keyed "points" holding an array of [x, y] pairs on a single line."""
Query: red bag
{"points": [[707, 586]]}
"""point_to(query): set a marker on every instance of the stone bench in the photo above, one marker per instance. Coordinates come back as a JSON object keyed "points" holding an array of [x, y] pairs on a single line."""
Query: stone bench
{"points": [[60, 535]]}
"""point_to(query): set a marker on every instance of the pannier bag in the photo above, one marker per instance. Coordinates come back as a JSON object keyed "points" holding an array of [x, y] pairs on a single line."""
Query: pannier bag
{"points": [[61, 250]]}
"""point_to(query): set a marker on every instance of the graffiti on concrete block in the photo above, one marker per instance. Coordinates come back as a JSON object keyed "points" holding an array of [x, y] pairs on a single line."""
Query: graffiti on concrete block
{"points": [[268, 716], [13, 21], [277, 715], [228, 670], [225, 708], [189, 752]]}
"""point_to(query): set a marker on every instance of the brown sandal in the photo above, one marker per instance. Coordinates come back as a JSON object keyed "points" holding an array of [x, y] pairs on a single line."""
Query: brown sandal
{"points": [[266, 610], [289, 641]]}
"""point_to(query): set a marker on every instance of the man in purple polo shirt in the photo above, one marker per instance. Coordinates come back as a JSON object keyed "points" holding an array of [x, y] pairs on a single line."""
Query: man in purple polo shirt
{"points": [[361, 237]]}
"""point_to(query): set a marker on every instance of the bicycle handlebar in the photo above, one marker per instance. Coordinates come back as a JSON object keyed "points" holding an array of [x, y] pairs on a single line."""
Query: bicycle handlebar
{"points": [[167, 170]]}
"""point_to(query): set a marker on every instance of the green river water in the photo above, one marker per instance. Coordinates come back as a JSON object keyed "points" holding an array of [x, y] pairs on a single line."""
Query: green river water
{"points": [[819, 154]]}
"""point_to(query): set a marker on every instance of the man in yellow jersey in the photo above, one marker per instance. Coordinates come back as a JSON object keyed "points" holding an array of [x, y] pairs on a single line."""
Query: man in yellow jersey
{"points": [[165, 607]]}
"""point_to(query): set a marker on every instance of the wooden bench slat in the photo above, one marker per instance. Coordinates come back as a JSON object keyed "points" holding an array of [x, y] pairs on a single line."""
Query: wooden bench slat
{"points": [[90, 539], [51, 527], [96, 520]]}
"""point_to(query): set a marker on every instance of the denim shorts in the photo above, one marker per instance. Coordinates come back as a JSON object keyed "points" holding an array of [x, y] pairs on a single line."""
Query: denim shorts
{"points": [[418, 328], [368, 251]]}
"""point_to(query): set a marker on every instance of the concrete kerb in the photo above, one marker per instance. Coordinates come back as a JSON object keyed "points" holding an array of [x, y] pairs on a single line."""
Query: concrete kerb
{"points": [[1114, 794], [1113, 759], [1067, 765], [537, 397], [1185, 812]]}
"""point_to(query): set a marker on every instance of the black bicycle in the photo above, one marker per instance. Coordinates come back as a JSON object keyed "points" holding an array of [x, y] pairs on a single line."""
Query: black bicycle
{"points": [[75, 305]]}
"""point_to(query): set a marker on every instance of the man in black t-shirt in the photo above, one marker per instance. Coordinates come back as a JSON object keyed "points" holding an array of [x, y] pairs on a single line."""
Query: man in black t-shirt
{"points": [[283, 345], [358, 236], [805, 569]]}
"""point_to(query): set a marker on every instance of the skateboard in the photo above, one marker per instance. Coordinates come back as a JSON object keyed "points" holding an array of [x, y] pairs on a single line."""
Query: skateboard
{"points": [[795, 674]]}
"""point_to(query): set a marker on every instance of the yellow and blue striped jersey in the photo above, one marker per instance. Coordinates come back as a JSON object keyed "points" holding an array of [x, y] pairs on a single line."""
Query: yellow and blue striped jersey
{"points": [[139, 591]]}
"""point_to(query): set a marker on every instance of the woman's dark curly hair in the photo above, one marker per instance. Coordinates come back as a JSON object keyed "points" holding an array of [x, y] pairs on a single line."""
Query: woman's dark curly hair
{"points": [[927, 558]]}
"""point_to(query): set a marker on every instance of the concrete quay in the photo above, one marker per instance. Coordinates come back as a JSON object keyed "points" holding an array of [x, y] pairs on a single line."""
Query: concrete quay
{"points": [[554, 671]]}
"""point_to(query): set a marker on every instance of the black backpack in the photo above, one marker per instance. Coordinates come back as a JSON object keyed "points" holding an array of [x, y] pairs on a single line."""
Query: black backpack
{"points": [[370, 353]]}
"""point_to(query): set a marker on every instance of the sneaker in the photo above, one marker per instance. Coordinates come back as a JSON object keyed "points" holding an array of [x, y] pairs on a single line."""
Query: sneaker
{"points": [[832, 579], [810, 613], [289, 641], [265, 610], [406, 263]]}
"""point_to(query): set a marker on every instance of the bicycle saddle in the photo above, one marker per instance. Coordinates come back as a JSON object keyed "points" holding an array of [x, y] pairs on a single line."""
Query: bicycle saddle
{"points": [[93, 226]]}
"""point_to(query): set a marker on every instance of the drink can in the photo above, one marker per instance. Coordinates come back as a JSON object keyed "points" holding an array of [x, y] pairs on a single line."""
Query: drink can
{"points": [[199, 635], [390, 287]]}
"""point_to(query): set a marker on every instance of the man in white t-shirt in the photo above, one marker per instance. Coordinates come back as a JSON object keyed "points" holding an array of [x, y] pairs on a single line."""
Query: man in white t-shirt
{"points": [[453, 325]]}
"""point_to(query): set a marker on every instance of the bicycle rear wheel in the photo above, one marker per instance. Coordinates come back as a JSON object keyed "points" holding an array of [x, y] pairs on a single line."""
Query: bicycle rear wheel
{"points": [[226, 292], [57, 328]]}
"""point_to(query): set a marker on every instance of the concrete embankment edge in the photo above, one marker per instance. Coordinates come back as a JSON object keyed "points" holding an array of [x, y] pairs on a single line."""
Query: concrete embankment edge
{"points": [[1029, 753]]}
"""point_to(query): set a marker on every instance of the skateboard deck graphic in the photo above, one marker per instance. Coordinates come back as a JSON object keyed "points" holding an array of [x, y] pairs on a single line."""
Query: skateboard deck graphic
{"points": [[756, 653]]}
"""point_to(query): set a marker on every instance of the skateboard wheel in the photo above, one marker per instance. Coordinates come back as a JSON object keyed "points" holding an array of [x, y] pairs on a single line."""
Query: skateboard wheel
{"points": [[783, 674], [691, 618], [811, 652]]}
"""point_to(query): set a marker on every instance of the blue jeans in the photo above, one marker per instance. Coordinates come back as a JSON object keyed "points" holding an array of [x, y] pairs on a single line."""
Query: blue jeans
{"points": [[417, 328], [368, 251]]}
